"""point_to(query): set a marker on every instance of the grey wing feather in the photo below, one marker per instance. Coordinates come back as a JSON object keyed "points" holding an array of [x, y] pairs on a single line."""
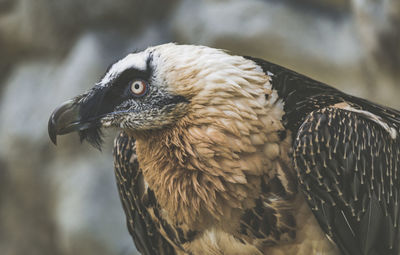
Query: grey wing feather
{"points": [[141, 226], [348, 170]]}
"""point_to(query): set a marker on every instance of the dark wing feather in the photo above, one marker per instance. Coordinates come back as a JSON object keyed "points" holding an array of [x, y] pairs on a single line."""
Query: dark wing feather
{"points": [[142, 227], [271, 221], [348, 168]]}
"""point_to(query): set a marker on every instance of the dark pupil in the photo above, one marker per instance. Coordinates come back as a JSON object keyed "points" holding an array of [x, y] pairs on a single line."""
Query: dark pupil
{"points": [[137, 86]]}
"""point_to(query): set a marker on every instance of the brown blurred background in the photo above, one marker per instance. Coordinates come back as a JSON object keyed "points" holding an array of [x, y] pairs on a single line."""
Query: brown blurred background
{"points": [[63, 200]]}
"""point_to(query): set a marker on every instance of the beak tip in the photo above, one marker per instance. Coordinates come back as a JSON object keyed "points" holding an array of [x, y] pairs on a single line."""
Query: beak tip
{"points": [[54, 140], [52, 130]]}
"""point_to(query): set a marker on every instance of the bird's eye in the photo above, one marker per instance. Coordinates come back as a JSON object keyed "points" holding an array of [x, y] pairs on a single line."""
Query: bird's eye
{"points": [[139, 87]]}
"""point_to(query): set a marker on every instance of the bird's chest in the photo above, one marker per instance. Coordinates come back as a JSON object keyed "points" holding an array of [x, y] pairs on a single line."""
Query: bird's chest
{"points": [[206, 176], [200, 203], [218, 241]]}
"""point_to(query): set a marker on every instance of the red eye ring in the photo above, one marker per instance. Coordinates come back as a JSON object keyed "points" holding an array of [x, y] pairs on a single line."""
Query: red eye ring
{"points": [[138, 87]]}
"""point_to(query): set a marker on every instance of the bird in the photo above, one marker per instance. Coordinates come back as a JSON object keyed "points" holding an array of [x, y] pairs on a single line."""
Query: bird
{"points": [[226, 154]]}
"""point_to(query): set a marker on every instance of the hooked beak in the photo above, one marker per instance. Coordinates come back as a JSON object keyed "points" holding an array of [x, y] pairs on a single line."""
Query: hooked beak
{"points": [[66, 119]]}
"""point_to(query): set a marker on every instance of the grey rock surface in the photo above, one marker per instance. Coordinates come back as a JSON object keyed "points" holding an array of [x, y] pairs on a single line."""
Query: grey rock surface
{"points": [[323, 42]]}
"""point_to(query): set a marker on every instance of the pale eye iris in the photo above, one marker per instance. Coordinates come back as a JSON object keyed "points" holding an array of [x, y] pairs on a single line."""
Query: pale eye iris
{"points": [[138, 87]]}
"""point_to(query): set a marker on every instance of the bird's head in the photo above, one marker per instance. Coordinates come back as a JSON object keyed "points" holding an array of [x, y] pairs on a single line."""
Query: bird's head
{"points": [[151, 90]]}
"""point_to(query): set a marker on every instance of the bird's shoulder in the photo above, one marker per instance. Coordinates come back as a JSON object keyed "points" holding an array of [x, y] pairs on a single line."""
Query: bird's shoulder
{"points": [[302, 95]]}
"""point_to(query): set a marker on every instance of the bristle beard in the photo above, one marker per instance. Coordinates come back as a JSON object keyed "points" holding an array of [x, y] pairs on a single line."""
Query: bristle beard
{"points": [[94, 136]]}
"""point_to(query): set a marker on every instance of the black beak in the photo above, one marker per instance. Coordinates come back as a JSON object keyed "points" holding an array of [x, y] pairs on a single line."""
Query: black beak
{"points": [[66, 119], [82, 114]]}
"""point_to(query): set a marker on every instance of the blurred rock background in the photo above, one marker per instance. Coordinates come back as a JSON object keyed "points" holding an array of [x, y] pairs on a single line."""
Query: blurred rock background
{"points": [[64, 200]]}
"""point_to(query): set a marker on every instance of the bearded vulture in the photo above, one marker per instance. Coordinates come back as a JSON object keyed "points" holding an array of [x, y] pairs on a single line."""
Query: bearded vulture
{"points": [[225, 154]]}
